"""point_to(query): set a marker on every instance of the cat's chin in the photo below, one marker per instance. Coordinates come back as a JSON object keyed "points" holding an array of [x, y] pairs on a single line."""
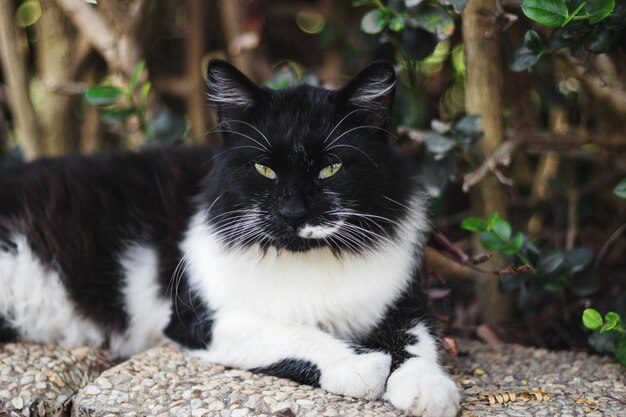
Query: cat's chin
{"points": [[298, 244]]}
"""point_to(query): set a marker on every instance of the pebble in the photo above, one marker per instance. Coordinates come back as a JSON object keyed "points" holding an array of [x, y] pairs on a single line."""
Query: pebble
{"points": [[239, 412], [104, 383], [91, 390], [17, 403]]}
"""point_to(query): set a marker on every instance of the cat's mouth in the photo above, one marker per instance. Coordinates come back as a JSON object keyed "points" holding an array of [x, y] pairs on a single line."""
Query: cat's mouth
{"points": [[321, 231]]}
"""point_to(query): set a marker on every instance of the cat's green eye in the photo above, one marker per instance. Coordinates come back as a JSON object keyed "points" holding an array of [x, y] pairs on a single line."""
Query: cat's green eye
{"points": [[267, 172], [329, 171]]}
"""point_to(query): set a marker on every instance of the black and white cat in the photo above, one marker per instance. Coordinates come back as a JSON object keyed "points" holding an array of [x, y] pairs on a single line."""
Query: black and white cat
{"points": [[294, 250]]}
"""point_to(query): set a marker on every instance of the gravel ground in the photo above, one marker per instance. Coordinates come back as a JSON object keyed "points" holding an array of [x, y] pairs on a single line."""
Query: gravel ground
{"points": [[577, 384], [165, 382], [38, 380]]}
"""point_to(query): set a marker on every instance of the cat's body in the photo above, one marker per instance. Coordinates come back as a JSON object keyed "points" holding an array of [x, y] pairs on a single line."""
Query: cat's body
{"points": [[293, 251]]}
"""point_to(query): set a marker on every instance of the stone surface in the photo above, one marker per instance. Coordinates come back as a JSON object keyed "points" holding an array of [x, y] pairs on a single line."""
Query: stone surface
{"points": [[577, 384], [38, 380], [165, 382]]}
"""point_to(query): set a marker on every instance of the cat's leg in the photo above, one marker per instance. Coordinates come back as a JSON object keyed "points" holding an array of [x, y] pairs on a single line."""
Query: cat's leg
{"points": [[302, 353], [417, 383]]}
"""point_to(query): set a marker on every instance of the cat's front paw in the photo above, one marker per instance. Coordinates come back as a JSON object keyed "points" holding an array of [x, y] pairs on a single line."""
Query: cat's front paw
{"points": [[360, 376], [422, 388]]}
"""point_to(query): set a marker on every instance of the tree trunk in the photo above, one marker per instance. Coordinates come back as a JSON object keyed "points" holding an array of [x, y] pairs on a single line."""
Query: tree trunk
{"points": [[55, 49], [483, 61], [15, 74], [194, 44], [231, 13]]}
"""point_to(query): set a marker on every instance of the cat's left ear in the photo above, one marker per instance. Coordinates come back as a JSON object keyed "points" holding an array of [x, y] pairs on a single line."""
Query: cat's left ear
{"points": [[372, 89], [229, 89]]}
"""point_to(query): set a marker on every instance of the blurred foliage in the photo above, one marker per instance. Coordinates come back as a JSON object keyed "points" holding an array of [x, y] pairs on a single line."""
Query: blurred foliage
{"points": [[289, 42], [597, 26], [118, 104]]}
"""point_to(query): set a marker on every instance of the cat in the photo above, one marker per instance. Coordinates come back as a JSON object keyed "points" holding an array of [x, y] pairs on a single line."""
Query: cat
{"points": [[293, 250]]}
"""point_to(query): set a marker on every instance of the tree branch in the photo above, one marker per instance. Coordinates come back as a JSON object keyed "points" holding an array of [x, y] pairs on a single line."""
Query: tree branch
{"points": [[500, 156], [16, 75], [605, 84], [100, 34]]}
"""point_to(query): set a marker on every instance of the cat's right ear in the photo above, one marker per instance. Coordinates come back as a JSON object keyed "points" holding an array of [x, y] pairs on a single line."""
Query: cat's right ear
{"points": [[229, 89]]}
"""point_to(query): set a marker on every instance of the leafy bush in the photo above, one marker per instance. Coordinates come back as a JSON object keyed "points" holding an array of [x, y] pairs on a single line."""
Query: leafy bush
{"points": [[547, 269], [120, 103], [594, 25], [609, 334], [415, 26]]}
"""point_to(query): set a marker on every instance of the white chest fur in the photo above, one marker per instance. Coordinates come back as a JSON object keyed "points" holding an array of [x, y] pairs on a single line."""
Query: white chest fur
{"points": [[346, 296]]}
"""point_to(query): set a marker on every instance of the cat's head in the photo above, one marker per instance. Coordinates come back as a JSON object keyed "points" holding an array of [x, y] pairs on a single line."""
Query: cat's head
{"points": [[305, 167]]}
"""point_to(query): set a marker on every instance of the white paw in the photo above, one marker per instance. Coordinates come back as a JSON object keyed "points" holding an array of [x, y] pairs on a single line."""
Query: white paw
{"points": [[361, 376], [422, 388]]}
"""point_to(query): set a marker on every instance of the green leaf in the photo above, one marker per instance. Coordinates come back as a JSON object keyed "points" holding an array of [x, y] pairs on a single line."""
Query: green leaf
{"points": [[28, 13], [373, 22], [145, 90], [502, 229], [474, 224], [492, 219], [559, 281], [579, 258], [469, 125], [438, 144], [510, 283], [573, 14], [611, 320], [592, 319], [103, 95], [587, 284], [396, 23], [604, 342], [490, 241], [118, 115], [439, 126], [436, 174], [515, 244], [550, 262], [357, 3], [551, 13], [434, 19], [417, 43], [459, 5], [533, 41], [599, 9], [134, 79], [620, 189], [620, 351], [523, 59]]}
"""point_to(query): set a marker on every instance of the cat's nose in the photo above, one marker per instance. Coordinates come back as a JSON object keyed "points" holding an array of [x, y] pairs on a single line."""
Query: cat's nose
{"points": [[293, 210]]}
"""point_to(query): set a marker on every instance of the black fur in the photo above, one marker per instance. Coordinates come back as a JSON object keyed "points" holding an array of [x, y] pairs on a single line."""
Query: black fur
{"points": [[7, 333], [6, 243], [78, 214], [191, 322], [296, 121], [302, 372], [392, 333]]}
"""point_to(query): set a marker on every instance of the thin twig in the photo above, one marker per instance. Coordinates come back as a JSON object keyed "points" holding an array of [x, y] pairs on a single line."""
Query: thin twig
{"points": [[608, 244], [500, 156]]}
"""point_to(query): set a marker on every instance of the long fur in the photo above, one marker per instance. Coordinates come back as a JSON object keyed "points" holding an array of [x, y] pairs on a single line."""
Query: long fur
{"points": [[294, 274]]}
